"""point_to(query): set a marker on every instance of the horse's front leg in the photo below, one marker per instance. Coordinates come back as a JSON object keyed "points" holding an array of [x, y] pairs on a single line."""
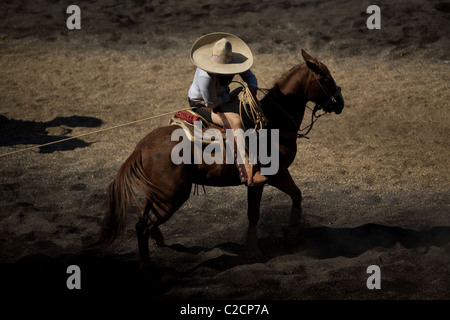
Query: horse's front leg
{"points": [[284, 182], [254, 195]]}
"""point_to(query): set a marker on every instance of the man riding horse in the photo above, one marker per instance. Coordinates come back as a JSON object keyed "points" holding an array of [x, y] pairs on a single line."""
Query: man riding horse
{"points": [[166, 186], [219, 57]]}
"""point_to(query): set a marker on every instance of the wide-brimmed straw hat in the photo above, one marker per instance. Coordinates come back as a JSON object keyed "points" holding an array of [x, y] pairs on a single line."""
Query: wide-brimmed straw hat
{"points": [[221, 53]]}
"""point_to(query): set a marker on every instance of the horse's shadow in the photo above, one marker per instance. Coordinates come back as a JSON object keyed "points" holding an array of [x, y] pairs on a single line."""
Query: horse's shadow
{"points": [[323, 243], [20, 132]]}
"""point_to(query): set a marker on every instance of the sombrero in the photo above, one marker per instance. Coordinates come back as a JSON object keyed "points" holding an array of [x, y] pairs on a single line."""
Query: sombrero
{"points": [[221, 53]]}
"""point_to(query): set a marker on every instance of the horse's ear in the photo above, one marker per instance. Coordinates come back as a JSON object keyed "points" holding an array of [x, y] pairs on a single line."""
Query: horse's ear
{"points": [[312, 63], [306, 56], [314, 66]]}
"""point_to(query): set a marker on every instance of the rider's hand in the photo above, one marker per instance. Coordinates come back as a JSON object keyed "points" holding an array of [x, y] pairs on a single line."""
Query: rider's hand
{"points": [[234, 95]]}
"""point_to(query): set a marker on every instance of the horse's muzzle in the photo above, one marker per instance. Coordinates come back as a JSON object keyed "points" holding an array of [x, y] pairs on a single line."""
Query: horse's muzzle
{"points": [[337, 102]]}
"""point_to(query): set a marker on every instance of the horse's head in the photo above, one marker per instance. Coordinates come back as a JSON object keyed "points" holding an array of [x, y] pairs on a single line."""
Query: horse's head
{"points": [[322, 89]]}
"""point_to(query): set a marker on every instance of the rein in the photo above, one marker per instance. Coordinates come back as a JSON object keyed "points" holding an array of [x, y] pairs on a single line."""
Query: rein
{"points": [[314, 118], [317, 107], [309, 127]]}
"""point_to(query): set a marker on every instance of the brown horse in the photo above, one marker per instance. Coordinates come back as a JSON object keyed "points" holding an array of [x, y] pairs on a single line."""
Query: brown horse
{"points": [[150, 170]]}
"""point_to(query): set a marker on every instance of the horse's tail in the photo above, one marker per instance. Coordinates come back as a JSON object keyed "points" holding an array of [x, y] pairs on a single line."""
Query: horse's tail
{"points": [[130, 177]]}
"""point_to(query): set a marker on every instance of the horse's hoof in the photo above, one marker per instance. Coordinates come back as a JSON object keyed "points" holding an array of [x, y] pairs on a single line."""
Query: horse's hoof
{"points": [[157, 237], [144, 265], [159, 242]]}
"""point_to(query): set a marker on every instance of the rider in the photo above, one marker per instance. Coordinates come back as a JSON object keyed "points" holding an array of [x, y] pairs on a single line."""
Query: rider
{"points": [[219, 57]]}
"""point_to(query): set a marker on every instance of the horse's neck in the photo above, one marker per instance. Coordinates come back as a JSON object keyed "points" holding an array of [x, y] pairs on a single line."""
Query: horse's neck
{"points": [[284, 112]]}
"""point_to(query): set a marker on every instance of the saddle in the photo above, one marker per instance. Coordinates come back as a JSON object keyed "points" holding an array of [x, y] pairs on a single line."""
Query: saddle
{"points": [[186, 118], [248, 173]]}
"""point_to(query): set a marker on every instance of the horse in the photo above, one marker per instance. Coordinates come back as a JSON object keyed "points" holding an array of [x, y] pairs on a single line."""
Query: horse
{"points": [[150, 171]]}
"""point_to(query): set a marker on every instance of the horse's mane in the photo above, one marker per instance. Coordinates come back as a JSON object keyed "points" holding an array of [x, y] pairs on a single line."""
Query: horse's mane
{"points": [[287, 76]]}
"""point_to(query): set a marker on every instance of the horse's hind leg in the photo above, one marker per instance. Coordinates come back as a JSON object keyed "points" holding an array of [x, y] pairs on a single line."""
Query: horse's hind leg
{"points": [[157, 237], [146, 227]]}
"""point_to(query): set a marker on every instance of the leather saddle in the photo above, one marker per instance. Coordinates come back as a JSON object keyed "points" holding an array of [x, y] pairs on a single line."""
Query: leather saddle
{"points": [[186, 118]]}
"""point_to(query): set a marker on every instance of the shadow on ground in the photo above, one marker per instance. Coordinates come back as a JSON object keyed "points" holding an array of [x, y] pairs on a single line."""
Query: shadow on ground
{"points": [[112, 276], [20, 132]]}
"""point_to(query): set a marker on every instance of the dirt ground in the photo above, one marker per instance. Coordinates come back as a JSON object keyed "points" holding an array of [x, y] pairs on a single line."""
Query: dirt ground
{"points": [[375, 179]]}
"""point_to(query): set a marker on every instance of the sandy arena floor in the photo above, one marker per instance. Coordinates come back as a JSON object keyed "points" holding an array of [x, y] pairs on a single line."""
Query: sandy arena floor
{"points": [[375, 179]]}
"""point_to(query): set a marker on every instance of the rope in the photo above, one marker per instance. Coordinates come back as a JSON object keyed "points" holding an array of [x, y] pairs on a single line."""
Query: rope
{"points": [[91, 133], [251, 107]]}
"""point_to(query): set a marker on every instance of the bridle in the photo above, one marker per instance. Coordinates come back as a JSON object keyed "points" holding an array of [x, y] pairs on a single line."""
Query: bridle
{"points": [[330, 100]]}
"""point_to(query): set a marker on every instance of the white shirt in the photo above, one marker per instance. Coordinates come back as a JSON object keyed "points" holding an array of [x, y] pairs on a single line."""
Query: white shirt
{"points": [[213, 89]]}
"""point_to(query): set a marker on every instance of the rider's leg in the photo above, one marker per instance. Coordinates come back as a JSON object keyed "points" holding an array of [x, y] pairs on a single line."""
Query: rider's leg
{"points": [[254, 176]]}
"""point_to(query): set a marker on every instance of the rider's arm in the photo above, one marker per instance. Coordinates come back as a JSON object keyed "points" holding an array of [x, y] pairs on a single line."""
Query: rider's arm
{"points": [[249, 78], [208, 90]]}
